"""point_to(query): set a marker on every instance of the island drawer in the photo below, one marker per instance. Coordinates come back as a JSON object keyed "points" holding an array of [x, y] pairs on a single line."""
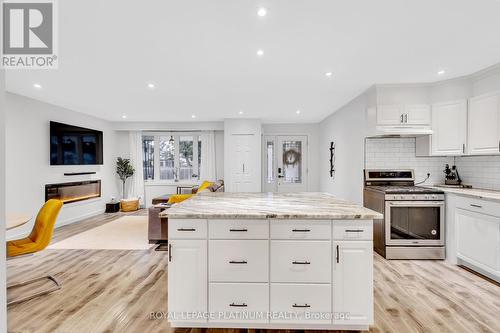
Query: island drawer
{"points": [[353, 230], [238, 261], [237, 302], [305, 302], [301, 229], [187, 228], [238, 229], [299, 261]]}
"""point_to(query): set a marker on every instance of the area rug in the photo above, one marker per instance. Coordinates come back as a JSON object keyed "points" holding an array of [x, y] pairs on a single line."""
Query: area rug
{"points": [[125, 233]]}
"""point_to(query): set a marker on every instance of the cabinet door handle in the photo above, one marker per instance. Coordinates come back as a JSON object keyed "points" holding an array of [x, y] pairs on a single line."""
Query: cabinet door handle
{"points": [[243, 167], [301, 262], [240, 262], [402, 119], [295, 305], [354, 230], [242, 305], [238, 230], [406, 118], [477, 206], [463, 148], [337, 254], [186, 229], [498, 145], [301, 230], [169, 252]]}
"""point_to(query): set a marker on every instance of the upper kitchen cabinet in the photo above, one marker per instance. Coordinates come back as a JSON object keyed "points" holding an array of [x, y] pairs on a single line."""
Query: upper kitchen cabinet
{"points": [[449, 126], [404, 115], [484, 124]]}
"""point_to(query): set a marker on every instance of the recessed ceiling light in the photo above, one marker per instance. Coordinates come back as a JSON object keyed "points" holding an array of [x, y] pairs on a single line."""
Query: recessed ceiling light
{"points": [[124, 116], [193, 116], [151, 85], [241, 112], [262, 12], [328, 74], [260, 52], [441, 72], [37, 86], [297, 112]]}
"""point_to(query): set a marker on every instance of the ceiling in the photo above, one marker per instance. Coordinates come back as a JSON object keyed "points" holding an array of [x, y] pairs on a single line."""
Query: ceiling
{"points": [[202, 55]]}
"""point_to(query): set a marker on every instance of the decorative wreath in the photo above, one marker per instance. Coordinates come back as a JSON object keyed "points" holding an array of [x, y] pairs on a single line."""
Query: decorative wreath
{"points": [[291, 157]]}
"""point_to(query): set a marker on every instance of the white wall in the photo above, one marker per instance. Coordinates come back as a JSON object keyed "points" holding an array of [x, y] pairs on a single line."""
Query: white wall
{"points": [[347, 128], [312, 132], [28, 168], [399, 153], [3, 307]]}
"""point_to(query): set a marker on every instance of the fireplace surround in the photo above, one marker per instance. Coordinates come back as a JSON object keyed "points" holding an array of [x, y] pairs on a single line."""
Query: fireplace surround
{"points": [[73, 191]]}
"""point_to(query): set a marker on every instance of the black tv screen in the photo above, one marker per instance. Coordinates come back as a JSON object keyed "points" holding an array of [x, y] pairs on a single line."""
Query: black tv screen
{"points": [[73, 145]]}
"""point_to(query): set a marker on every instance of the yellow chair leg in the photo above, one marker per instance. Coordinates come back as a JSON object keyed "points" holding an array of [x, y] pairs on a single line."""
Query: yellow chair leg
{"points": [[56, 287]]}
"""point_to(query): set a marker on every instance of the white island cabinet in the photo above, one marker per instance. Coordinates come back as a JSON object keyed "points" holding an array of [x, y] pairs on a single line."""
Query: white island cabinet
{"points": [[301, 261]]}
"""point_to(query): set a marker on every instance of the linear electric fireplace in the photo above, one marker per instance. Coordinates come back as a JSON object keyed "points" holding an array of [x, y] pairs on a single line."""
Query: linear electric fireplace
{"points": [[74, 191]]}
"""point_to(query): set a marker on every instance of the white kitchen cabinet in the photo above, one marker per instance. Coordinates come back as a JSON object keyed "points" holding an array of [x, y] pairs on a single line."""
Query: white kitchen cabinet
{"points": [[389, 115], [417, 114], [449, 126], [478, 240], [187, 278], [404, 115], [484, 124], [353, 286]]}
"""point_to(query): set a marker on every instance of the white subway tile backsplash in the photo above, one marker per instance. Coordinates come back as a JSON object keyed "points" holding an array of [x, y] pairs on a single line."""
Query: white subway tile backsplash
{"points": [[399, 153]]}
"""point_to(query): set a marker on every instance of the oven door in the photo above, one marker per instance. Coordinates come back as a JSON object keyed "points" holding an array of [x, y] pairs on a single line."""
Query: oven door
{"points": [[414, 223]]}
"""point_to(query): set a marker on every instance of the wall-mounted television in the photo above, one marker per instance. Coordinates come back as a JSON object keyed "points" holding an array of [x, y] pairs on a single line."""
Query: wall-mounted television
{"points": [[73, 145]]}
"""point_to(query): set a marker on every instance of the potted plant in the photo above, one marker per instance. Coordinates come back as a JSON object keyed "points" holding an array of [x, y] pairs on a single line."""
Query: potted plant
{"points": [[124, 170]]}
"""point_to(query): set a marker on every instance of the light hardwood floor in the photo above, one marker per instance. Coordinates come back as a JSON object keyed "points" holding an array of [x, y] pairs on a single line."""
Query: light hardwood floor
{"points": [[116, 291]]}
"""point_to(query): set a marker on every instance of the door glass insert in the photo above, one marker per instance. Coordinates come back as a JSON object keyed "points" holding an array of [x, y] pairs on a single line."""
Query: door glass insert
{"points": [[185, 157], [292, 161], [167, 149], [270, 161], [419, 223]]}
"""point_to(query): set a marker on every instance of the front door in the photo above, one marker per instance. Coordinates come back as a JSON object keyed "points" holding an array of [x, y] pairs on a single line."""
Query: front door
{"points": [[285, 163]]}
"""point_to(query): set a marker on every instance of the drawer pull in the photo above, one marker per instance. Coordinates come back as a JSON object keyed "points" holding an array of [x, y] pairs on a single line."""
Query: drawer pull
{"points": [[477, 206], [354, 230], [301, 230], [295, 305], [238, 262], [242, 305], [186, 229], [301, 262], [238, 230]]}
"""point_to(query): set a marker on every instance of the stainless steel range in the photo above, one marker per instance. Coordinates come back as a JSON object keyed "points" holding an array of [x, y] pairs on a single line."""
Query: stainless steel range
{"points": [[413, 224]]}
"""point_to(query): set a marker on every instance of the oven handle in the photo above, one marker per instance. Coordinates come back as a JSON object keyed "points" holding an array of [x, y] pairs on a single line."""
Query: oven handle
{"points": [[410, 203]]}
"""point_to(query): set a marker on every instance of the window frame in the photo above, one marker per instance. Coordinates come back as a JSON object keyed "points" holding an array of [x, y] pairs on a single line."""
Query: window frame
{"points": [[156, 156]]}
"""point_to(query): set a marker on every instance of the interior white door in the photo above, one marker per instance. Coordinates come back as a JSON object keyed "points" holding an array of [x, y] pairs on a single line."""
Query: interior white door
{"points": [[285, 163], [187, 278], [449, 124], [484, 124], [353, 282], [243, 167]]}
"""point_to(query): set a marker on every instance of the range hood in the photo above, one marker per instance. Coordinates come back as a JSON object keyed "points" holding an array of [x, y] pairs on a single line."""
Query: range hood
{"points": [[408, 131]]}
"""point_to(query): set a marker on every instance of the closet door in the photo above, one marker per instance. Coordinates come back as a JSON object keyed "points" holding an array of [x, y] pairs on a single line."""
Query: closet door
{"points": [[244, 176]]}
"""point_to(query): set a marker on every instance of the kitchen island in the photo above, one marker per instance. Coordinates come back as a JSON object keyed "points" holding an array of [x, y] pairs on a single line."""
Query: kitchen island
{"points": [[269, 260]]}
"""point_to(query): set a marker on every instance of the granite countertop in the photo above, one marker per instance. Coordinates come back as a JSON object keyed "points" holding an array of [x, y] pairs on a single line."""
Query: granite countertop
{"points": [[472, 192], [302, 205]]}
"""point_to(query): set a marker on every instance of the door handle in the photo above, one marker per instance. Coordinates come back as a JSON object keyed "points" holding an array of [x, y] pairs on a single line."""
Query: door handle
{"points": [[242, 262], [170, 252], [295, 305], [301, 262], [186, 229], [337, 256], [242, 305]]}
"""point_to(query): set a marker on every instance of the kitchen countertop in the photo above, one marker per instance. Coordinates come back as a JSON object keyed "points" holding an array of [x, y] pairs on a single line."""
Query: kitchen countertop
{"points": [[302, 205], [472, 192]]}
